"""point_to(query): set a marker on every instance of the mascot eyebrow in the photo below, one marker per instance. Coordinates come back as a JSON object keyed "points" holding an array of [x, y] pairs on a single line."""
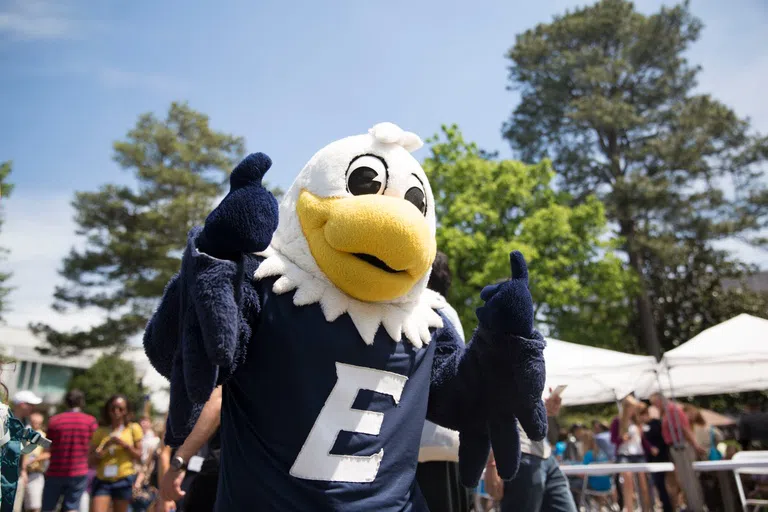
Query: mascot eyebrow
{"points": [[377, 157]]}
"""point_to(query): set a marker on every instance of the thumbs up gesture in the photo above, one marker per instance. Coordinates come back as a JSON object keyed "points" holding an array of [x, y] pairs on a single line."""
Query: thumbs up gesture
{"points": [[246, 218], [508, 306], [514, 364]]}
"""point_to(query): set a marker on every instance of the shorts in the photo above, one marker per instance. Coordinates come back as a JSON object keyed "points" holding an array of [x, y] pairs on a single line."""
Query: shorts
{"points": [[70, 487], [121, 489], [33, 495], [634, 459]]}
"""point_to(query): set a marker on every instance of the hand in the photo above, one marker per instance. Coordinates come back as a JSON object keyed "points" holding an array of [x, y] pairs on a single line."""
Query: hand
{"points": [[553, 404], [508, 306], [116, 439], [246, 218], [515, 366], [170, 487], [654, 451], [626, 436], [700, 450]]}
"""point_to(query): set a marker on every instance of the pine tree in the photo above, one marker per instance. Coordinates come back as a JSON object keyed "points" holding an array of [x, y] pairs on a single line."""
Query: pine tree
{"points": [[135, 234]]}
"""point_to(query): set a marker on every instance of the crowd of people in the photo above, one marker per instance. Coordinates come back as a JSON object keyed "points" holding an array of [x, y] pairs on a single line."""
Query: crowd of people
{"points": [[655, 431], [109, 464], [113, 463]]}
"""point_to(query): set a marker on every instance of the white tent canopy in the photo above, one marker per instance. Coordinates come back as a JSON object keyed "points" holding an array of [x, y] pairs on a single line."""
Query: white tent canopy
{"points": [[593, 375], [730, 357]]}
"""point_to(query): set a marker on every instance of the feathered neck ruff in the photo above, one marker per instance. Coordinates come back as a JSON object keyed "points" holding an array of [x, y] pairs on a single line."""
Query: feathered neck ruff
{"points": [[411, 318]]}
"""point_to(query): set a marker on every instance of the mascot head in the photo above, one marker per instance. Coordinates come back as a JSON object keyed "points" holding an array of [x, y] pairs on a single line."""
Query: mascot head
{"points": [[357, 235]]}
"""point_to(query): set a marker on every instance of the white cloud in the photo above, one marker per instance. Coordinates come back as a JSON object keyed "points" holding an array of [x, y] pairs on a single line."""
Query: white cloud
{"points": [[40, 20], [122, 79], [39, 231]]}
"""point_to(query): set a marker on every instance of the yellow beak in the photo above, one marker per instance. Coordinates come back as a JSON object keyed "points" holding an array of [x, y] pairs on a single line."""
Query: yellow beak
{"points": [[372, 247]]}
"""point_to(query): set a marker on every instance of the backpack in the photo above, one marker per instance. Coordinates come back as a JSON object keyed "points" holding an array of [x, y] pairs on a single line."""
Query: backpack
{"points": [[15, 440]]}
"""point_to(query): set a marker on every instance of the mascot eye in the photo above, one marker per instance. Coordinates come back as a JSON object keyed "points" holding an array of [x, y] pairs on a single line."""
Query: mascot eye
{"points": [[366, 175], [416, 196]]}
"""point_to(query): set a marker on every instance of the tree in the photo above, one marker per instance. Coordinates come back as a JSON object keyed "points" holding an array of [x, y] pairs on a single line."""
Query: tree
{"points": [[109, 375], [5, 191], [488, 207], [135, 234], [686, 288], [608, 95]]}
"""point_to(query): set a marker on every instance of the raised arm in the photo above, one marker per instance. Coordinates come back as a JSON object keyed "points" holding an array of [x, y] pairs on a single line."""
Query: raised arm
{"points": [[196, 337], [498, 380]]}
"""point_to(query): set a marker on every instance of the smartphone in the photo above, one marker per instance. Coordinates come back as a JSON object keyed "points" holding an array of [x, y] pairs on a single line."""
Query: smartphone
{"points": [[559, 389]]}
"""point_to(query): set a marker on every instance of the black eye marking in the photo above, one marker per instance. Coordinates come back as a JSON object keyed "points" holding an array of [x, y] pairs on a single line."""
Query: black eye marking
{"points": [[416, 196], [362, 181], [367, 174]]}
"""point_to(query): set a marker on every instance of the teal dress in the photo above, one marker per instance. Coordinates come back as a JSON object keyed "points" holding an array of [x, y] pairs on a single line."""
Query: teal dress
{"points": [[597, 483], [15, 440]]}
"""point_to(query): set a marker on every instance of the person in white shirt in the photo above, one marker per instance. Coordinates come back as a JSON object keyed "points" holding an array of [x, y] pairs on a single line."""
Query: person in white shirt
{"points": [[629, 449], [438, 469], [150, 443]]}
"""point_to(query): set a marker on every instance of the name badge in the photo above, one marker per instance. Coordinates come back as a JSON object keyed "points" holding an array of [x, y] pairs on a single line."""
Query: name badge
{"points": [[110, 471], [195, 464]]}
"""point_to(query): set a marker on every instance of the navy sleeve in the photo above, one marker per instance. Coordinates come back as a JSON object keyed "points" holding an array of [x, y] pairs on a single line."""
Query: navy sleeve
{"points": [[199, 334], [456, 400], [465, 379]]}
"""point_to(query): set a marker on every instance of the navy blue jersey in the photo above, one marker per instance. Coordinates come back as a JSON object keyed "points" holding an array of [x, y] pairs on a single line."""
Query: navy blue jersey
{"points": [[315, 419]]}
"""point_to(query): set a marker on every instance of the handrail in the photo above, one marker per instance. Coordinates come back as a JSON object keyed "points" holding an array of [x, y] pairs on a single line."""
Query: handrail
{"points": [[658, 467]]}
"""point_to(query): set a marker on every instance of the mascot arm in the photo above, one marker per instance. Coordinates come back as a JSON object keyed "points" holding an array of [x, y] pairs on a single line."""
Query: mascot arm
{"points": [[484, 390], [199, 334]]}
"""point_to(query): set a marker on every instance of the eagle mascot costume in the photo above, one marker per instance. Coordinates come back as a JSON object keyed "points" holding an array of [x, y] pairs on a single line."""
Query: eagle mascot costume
{"points": [[330, 348]]}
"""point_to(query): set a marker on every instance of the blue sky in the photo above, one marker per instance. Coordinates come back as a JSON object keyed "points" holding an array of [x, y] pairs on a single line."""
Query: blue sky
{"points": [[288, 76]]}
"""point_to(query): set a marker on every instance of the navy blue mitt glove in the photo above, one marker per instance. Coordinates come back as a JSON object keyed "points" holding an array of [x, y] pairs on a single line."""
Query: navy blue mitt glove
{"points": [[196, 337], [212, 291], [515, 366], [246, 218]]}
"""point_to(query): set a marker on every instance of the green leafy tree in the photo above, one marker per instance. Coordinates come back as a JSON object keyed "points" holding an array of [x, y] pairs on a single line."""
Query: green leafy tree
{"points": [[488, 207], [608, 95], [135, 234], [108, 376], [5, 191]]}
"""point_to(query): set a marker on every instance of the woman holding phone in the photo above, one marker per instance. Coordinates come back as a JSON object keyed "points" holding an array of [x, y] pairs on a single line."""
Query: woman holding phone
{"points": [[115, 448]]}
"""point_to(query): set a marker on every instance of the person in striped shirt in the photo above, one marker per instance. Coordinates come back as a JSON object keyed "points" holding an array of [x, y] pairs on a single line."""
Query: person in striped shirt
{"points": [[67, 475]]}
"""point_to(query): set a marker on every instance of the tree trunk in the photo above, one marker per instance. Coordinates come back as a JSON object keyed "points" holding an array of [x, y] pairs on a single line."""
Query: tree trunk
{"points": [[648, 334]]}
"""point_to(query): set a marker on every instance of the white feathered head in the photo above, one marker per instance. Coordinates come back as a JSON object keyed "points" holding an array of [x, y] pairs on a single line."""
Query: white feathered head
{"points": [[357, 235]]}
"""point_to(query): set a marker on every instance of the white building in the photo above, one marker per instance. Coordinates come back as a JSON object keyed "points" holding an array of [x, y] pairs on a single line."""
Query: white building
{"points": [[48, 375]]}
